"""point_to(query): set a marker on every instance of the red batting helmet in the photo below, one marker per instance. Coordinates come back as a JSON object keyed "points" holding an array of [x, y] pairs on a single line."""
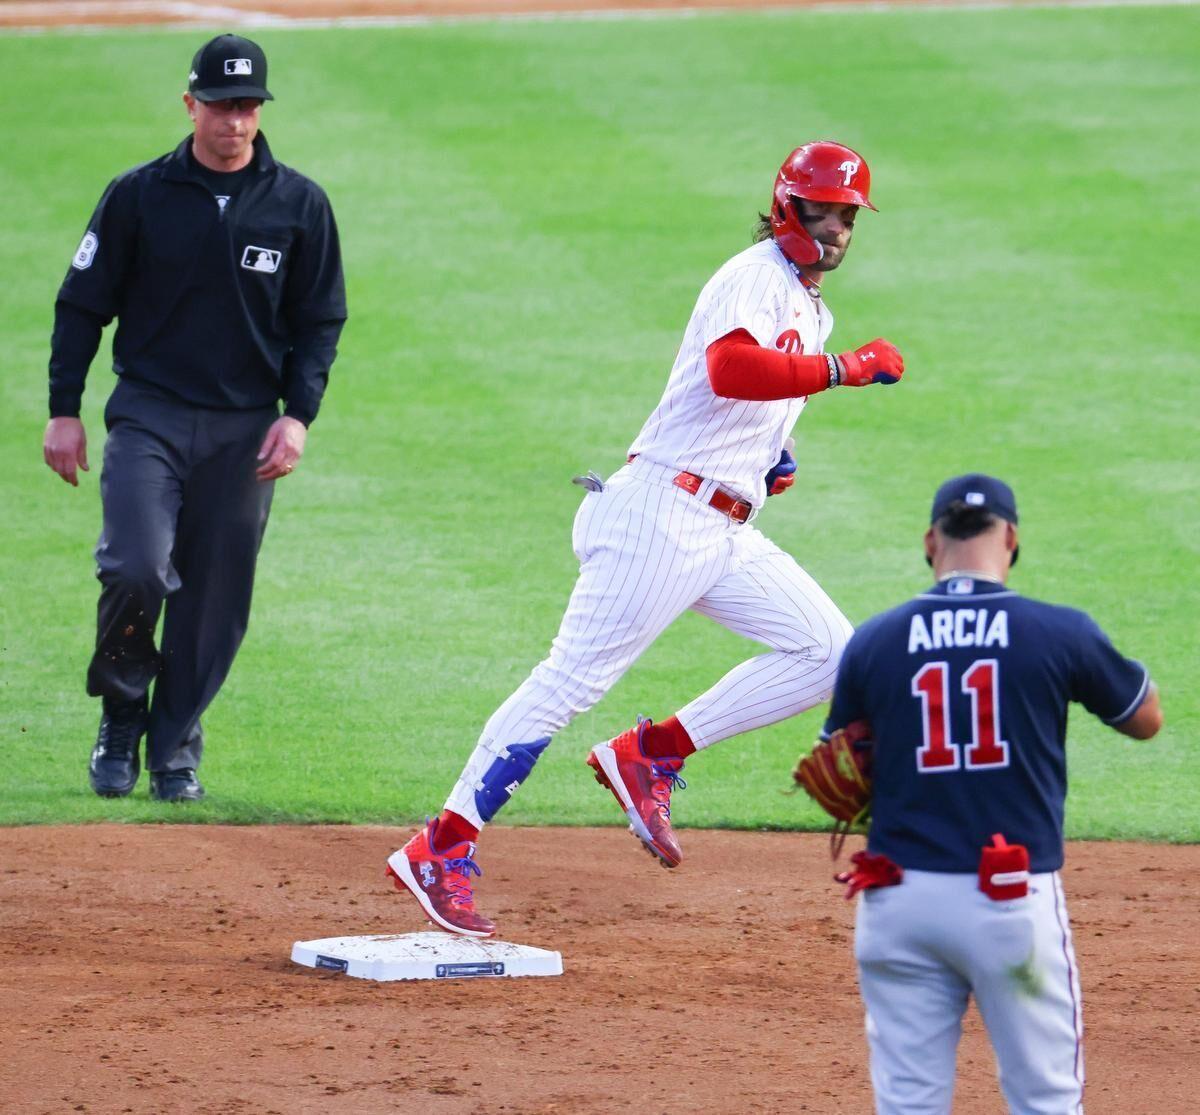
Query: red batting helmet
{"points": [[822, 171]]}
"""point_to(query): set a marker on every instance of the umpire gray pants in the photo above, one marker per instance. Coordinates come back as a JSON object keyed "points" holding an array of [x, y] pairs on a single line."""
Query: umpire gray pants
{"points": [[184, 516]]}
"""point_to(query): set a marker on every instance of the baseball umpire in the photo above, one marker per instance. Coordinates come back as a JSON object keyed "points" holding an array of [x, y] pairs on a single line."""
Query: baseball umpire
{"points": [[965, 689], [223, 270]]}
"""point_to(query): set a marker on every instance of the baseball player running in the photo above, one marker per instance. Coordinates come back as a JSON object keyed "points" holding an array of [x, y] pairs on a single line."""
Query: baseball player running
{"points": [[966, 690], [671, 531]]}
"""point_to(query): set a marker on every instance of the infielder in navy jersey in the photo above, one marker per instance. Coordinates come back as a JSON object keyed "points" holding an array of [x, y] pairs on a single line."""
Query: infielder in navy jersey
{"points": [[966, 689]]}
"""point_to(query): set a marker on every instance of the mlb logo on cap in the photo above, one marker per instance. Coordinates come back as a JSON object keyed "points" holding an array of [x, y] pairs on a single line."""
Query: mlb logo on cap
{"points": [[975, 490], [229, 67]]}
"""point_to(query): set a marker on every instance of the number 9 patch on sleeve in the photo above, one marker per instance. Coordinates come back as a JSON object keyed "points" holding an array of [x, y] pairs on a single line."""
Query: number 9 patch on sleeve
{"points": [[86, 252]]}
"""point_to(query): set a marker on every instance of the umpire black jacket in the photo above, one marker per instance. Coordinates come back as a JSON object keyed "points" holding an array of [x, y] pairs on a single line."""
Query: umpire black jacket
{"points": [[231, 308]]}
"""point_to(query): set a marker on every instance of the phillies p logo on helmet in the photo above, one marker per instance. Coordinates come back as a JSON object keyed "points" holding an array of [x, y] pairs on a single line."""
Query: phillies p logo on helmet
{"points": [[825, 171]]}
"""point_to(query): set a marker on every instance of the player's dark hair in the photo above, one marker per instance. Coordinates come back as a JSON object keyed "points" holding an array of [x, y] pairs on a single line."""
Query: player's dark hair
{"points": [[964, 520], [762, 229]]}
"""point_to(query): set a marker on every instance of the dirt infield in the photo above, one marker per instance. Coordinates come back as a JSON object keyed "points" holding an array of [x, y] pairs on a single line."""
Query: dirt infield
{"points": [[233, 13], [145, 969], [230, 13]]}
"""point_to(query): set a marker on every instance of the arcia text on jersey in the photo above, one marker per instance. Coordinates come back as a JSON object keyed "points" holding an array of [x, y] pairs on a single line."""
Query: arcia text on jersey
{"points": [[947, 628]]}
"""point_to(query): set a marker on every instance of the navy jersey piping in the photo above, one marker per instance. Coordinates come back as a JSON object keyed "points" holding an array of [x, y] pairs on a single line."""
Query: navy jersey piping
{"points": [[1137, 701]]}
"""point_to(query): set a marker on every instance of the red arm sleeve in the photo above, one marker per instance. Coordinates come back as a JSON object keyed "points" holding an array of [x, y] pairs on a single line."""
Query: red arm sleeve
{"points": [[740, 368]]}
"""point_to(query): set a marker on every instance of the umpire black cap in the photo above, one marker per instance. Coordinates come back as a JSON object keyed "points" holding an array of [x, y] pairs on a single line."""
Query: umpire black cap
{"points": [[228, 67], [976, 490]]}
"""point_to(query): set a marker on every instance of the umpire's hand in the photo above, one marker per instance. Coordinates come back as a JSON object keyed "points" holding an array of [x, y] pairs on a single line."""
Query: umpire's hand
{"points": [[281, 448], [64, 448]]}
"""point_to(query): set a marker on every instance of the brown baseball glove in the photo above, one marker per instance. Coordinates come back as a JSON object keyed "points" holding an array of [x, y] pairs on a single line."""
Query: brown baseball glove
{"points": [[837, 776]]}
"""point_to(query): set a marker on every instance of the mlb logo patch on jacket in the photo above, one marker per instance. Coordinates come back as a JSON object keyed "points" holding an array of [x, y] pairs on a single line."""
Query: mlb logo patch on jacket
{"points": [[261, 259]]}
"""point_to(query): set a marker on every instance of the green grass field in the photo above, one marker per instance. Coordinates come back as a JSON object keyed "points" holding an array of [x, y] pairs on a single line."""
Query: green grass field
{"points": [[528, 212]]}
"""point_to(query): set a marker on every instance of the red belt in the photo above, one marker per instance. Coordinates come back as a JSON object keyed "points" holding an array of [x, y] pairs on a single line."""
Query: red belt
{"points": [[737, 509]]}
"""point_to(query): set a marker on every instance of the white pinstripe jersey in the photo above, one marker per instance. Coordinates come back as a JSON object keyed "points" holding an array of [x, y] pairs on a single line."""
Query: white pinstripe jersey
{"points": [[735, 441]]}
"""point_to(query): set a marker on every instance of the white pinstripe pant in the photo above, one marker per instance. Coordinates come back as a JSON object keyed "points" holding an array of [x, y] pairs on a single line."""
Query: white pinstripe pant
{"points": [[648, 551]]}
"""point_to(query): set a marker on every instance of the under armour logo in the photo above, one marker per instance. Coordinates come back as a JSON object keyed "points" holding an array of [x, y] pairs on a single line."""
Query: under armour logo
{"points": [[849, 168], [868, 355]]}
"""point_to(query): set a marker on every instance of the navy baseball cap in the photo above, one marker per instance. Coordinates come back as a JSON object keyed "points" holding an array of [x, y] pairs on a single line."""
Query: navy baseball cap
{"points": [[976, 490], [229, 67]]}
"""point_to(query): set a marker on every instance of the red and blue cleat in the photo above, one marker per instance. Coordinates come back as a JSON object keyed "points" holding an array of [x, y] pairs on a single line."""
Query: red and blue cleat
{"points": [[642, 786], [441, 882]]}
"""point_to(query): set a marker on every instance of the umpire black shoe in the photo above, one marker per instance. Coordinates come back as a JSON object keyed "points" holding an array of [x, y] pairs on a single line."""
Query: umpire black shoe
{"points": [[114, 766], [175, 785]]}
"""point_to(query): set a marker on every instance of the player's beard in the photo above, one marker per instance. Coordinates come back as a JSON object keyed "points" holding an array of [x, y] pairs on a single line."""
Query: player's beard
{"points": [[831, 258]]}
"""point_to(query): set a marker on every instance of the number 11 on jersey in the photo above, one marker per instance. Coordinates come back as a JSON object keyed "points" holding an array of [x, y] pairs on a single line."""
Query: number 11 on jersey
{"points": [[987, 749]]}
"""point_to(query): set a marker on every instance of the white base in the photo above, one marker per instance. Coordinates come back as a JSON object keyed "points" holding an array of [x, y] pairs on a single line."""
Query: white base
{"points": [[432, 955]]}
